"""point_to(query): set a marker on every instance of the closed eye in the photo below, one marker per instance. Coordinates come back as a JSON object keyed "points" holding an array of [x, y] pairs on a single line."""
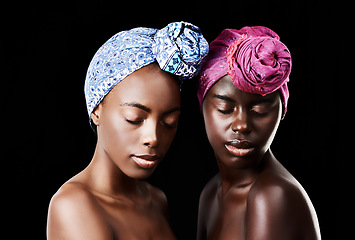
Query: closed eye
{"points": [[170, 125], [136, 122], [226, 112], [263, 108]]}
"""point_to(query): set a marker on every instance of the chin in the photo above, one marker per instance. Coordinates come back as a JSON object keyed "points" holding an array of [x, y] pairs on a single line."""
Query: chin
{"points": [[140, 174], [232, 161], [236, 162]]}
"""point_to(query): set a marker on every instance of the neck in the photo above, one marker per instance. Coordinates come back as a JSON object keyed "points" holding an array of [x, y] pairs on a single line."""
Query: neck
{"points": [[106, 178], [240, 177]]}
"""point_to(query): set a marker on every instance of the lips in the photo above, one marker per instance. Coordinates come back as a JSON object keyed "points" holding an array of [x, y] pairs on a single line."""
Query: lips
{"points": [[146, 161], [239, 148]]}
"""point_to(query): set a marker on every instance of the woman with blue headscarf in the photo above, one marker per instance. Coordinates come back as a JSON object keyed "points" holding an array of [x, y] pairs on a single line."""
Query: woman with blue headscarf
{"points": [[135, 122]]}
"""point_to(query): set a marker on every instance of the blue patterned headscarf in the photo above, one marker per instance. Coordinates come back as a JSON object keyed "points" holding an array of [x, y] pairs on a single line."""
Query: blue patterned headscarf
{"points": [[178, 48]]}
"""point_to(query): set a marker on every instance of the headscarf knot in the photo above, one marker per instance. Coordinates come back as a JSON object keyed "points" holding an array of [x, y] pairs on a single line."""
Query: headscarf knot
{"points": [[254, 58], [178, 48]]}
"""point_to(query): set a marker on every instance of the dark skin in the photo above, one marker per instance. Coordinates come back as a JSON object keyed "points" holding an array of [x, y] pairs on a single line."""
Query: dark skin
{"points": [[109, 200], [253, 197]]}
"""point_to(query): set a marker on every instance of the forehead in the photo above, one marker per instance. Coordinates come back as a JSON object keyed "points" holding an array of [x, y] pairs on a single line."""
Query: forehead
{"points": [[225, 87], [149, 85]]}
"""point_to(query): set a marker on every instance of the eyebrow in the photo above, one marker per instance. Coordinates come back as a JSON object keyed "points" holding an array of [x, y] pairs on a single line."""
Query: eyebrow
{"points": [[147, 109], [228, 99], [223, 97], [264, 100], [137, 105]]}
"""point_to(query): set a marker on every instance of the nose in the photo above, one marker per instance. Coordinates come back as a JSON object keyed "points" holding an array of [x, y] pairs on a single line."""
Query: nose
{"points": [[240, 123], [150, 135]]}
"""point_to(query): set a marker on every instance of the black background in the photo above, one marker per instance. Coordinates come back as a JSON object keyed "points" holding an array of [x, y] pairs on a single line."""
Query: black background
{"points": [[47, 47]]}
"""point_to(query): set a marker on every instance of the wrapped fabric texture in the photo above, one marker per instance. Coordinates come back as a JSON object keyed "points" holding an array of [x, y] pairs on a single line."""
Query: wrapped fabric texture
{"points": [[178, 48], [255, 59]]}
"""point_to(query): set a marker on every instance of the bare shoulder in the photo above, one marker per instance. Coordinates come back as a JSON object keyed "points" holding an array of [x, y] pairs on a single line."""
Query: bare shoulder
{"points": [[157, 194], [74, 213], [207, 196], [275, 185], [279, 208], [158, 198]]}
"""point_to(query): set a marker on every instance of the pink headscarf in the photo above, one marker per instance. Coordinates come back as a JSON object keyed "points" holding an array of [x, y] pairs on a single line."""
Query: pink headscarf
{"points": [[253, 57]]}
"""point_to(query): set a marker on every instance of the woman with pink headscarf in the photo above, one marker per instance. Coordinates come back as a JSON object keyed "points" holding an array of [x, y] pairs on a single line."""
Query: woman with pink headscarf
{"points": [[243, 96]]}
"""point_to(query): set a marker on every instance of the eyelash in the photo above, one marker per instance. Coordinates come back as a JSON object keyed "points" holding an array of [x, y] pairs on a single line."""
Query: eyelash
{"points": [[262, 112], [134, 122], [226, 112], [230, 111], [141, 121], [171, 126], [259, 113]]}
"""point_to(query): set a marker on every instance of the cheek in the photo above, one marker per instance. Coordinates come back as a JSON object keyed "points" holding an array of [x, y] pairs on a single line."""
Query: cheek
{"points": [[266, 130], [214, 129], [114, 136]]}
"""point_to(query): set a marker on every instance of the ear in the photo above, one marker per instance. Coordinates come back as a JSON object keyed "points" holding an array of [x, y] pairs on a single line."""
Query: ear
{"points": [[95, 115]]}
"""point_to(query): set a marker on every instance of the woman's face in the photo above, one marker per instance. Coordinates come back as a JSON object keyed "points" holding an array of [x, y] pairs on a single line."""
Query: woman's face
{"points": [[138, 119], [240, 126]]}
